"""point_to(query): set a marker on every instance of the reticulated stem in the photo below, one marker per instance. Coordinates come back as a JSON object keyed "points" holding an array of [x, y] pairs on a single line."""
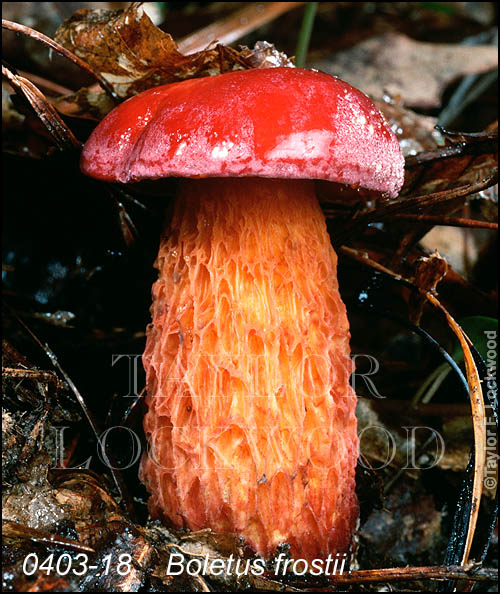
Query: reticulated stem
{"points": [[251, 416]]}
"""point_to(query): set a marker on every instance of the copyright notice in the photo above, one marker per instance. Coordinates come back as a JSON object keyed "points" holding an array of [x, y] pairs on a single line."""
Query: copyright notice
{"points": [[490, 387]]}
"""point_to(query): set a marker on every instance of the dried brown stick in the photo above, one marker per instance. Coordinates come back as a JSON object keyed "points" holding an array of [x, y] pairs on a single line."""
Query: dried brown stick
{"points": [[18, 28], [478, 420], [235, 26], [442, 220], [435, 219], [62, 135], [406, 203], [45, 83], [363, 258], [491, 132], [446, 221], [452, 150], [468, 146], [469, 572], [33, 374], [12, 529]]}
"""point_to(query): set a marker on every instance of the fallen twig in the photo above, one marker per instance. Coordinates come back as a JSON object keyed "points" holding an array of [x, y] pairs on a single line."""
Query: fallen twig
{"points": [[18, 28], [424, 218], [62, 135], [478, 419], [438, 572], [32, 374], [12, 529], [235, 26]]}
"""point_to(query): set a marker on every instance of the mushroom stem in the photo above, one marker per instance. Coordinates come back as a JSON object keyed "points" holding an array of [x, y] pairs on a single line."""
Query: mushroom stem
{"points": [[251, 422]]}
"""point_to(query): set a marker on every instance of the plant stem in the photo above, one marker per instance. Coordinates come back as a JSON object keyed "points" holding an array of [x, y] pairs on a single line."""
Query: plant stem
{"points": [[305, 34]]}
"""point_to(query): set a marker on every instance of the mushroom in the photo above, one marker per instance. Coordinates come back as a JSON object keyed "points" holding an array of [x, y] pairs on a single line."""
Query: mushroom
{"points": [[251, 418]]}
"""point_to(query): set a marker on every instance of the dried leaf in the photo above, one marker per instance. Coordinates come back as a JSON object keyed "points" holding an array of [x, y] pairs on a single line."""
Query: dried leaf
{"points": [[124, 46], [58, 48], [452, 242], [265, 55], [467, 158], [132, 54], [415, 132], [429, 272], [45, 17], [417, 71], [128, 545], [206, 542], [467, 161], [437, 182]]}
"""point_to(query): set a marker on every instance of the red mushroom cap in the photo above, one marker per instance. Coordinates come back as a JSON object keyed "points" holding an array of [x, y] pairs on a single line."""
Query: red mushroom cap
{"points": [[276, 122]]}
